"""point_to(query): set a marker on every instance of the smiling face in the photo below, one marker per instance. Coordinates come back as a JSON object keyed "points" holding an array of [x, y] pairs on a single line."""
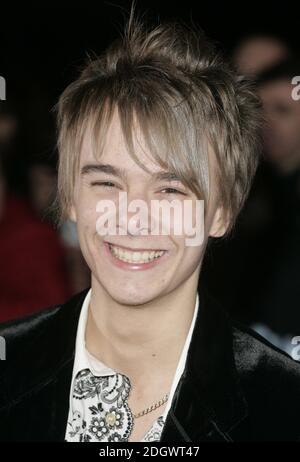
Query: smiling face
{"points": [[136, 267]]}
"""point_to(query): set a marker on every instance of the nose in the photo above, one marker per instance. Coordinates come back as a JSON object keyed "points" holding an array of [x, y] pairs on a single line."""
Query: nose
{"points": [[134, 213]]}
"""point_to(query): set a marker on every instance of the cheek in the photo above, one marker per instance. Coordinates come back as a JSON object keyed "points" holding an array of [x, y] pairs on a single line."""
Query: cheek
{"points": [[86, 220], [193, 254], [294, 128], [188, 221], [189, 262], [188, 255]]}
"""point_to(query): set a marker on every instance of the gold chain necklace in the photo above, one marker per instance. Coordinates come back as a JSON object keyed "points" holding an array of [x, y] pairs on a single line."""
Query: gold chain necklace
{"points": [[152, 407]]}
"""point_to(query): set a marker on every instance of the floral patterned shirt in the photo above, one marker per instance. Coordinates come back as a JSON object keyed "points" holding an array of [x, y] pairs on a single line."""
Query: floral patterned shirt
{"points": [[98, 408]]}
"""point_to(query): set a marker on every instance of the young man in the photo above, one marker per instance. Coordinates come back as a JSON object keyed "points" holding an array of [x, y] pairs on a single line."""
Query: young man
{"points": [[143, 355]]}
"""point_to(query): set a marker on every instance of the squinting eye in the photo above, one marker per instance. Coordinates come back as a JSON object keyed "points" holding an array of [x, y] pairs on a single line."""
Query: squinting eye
{"points": [[106, 184], [173, 191]]}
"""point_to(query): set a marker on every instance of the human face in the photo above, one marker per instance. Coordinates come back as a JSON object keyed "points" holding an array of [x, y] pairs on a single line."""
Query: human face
{"points": [[282, 113], [140, 282]]}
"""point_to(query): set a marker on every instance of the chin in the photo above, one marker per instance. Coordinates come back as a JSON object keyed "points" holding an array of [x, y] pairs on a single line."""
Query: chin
{"points": [[133, 297]]}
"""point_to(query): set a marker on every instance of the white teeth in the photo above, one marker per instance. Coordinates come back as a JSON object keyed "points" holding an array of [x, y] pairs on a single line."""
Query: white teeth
{"points": [[135, 257]]}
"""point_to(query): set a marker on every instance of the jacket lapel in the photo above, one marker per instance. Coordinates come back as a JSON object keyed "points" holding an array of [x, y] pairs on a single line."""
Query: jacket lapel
{"points": [[60, 386]]}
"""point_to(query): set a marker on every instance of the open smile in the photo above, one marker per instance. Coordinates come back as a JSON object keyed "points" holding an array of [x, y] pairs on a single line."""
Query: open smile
{"points": [[133, 258]]}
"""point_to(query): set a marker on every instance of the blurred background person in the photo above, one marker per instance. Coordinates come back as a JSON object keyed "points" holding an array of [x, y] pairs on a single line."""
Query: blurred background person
{"points": [[32, 270], [278, 299], [43, 182], [282, 113], [42, 186], [263, 288]]}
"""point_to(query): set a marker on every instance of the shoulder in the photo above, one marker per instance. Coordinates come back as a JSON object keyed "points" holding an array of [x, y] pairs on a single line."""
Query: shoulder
{"points": [[21, 331], [270, 382], [254, 353], [38, 345], [30, 327]]}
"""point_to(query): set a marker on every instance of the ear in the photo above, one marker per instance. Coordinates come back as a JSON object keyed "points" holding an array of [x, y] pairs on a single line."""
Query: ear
{"points": [[220, 223]]}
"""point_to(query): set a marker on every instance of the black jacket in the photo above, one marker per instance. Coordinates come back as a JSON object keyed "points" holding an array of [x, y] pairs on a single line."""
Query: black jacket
{"points": [[235, 387]]}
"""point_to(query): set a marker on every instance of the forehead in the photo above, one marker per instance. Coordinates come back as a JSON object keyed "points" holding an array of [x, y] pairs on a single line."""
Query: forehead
{"points": [[115, 150]]}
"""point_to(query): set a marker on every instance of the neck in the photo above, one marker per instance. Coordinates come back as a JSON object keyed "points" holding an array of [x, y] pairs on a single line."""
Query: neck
{"points": [[144, 340]]}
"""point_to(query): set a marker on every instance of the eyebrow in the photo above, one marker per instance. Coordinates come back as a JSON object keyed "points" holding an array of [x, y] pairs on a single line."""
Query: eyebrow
{"points": [[166, 176], [104, 168], [121, 173]]}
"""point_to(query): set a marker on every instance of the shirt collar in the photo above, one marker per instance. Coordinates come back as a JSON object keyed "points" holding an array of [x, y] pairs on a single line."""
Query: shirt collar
{"points": [[84, 360]]}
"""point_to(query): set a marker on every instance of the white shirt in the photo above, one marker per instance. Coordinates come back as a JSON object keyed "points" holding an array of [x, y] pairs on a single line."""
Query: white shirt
{"points": [[79, 426]]}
